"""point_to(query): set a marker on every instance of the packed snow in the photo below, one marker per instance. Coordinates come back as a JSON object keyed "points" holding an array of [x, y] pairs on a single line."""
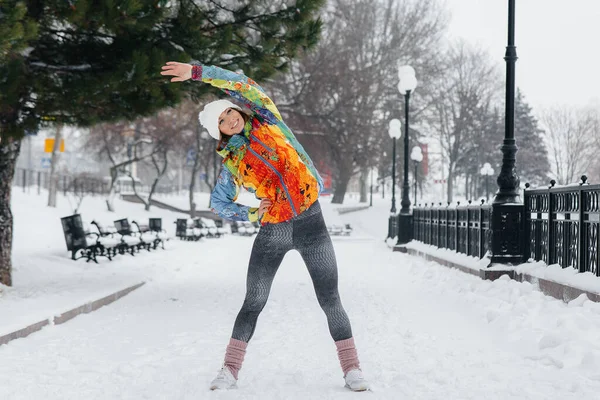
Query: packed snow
{"points": [[423, 331]]}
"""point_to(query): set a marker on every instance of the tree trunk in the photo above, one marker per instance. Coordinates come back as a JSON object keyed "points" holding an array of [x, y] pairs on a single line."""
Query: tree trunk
{"points": [[450, 183], [9, 151], [341, 186], [195, 170], [112, 193], [160, 173], [53, 182], [146, 202], [364, 176]]}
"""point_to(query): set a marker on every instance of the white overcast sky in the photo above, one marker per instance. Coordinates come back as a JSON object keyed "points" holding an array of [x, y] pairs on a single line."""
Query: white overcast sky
{"points": [[558, 45]]}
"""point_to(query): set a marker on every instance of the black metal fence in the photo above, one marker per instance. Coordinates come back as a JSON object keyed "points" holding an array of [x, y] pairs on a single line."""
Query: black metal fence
{"points": [[31, 180], [465, 229], [562, 226], [83, 183]]}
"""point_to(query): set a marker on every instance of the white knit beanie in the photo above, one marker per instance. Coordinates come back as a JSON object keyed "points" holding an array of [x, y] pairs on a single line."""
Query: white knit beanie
{"points": [[209, 117]]}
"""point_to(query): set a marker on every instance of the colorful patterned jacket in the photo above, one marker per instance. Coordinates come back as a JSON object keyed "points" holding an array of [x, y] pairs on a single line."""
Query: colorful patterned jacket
{"points": [[266, 158]]}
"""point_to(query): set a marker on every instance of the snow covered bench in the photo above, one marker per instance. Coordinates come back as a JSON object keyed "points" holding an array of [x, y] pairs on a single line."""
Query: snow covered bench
{"points": [[243, 228], [210, 226], [338, 230], [134, 241], [110, 237], [153, 237], [187, 229], [82, 243]]}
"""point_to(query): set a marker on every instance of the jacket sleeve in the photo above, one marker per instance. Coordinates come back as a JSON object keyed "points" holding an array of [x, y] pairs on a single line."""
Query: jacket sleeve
{"points": [[223, 197], [240, 87]]}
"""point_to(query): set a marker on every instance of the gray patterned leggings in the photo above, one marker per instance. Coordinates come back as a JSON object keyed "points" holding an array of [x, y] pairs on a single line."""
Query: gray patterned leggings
{"points": [[308, 234]]}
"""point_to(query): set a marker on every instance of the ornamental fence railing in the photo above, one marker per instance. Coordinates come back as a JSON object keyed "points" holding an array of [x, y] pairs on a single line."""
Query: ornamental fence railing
{"points": [[465, 229], [561, 225]]}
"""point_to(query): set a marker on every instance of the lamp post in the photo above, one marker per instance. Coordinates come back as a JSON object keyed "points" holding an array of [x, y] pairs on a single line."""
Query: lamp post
{"points": [[407, 84], [487, 171], [395, 131], [416, 154], [508, 211]]}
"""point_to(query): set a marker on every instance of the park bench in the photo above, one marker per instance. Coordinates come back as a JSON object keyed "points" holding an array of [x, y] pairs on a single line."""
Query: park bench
{"points": [[155, 225], [134, 241], [108, 235], [154, 238], [187, 229], [244, 228], [210, 226], [222, 228], [81, 243], [340, 230]]}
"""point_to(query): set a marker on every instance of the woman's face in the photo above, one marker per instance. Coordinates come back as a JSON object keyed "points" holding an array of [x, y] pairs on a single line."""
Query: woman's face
{"points": [[231, 122]]}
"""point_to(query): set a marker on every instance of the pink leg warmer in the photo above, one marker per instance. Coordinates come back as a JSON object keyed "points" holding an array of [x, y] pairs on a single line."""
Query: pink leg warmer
{"points": [[234, 355], [347, 354]]}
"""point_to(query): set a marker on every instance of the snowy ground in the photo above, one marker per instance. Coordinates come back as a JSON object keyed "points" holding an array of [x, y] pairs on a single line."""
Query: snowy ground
{"points": [[423, 331]]}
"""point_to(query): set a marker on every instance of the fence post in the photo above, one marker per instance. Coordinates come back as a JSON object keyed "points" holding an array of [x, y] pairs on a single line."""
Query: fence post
{"points": [[551, 239], [481, 232], [447, 229], [582, 256], [469, 229], [527, 224], [457, 236]]}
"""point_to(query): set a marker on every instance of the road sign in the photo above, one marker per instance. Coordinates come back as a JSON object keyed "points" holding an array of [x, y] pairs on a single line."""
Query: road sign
{"points": [[45, 162], [49, 145], [191, 157]]}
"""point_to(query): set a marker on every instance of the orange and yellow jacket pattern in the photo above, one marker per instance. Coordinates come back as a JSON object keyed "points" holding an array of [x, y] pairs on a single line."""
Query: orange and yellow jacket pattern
{"points": [[265, 158]]}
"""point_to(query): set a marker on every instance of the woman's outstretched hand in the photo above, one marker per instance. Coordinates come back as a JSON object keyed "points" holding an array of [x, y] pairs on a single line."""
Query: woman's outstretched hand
{"points": [[181, 71]]}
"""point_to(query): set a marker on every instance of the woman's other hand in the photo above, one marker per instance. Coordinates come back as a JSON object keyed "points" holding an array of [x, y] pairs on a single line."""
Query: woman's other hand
{"points": [[181, 71], [265, 204]]}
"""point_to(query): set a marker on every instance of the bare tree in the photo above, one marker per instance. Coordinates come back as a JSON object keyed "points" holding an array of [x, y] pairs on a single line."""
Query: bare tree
{"points": [[572, 141], [164, 130], [119, 143], [195, 145], [463, 103], [339, 97]]}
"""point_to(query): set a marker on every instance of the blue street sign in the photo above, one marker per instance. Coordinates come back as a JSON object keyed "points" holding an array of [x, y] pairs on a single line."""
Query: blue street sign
{"points": [[45, 162], [191, 156]]}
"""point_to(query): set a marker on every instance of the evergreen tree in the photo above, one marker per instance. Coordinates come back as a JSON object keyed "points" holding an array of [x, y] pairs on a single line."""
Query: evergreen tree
{"points": [[81, 62], [533, 164]]}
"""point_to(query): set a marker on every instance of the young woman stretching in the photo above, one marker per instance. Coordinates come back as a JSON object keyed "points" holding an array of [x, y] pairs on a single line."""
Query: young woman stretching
{"points": [[261, 154]]}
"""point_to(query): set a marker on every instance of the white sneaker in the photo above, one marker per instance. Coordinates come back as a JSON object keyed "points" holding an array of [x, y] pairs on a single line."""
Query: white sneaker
{"points": [[224, 380], [355, 381]]}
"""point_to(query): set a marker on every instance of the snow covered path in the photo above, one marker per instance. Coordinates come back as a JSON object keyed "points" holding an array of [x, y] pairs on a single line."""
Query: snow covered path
{"points": [[422, 331]]}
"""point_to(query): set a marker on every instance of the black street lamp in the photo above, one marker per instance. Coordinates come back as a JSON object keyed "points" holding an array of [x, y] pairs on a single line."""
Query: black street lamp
{"points": [[508, 210], [395, 131], [416, 154], [487, 171], [407, 84]]}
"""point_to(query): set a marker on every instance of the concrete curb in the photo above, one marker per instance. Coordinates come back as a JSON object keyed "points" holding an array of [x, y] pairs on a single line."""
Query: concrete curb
{"points": [[346, 210], [68, 315], [554, 289]]}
